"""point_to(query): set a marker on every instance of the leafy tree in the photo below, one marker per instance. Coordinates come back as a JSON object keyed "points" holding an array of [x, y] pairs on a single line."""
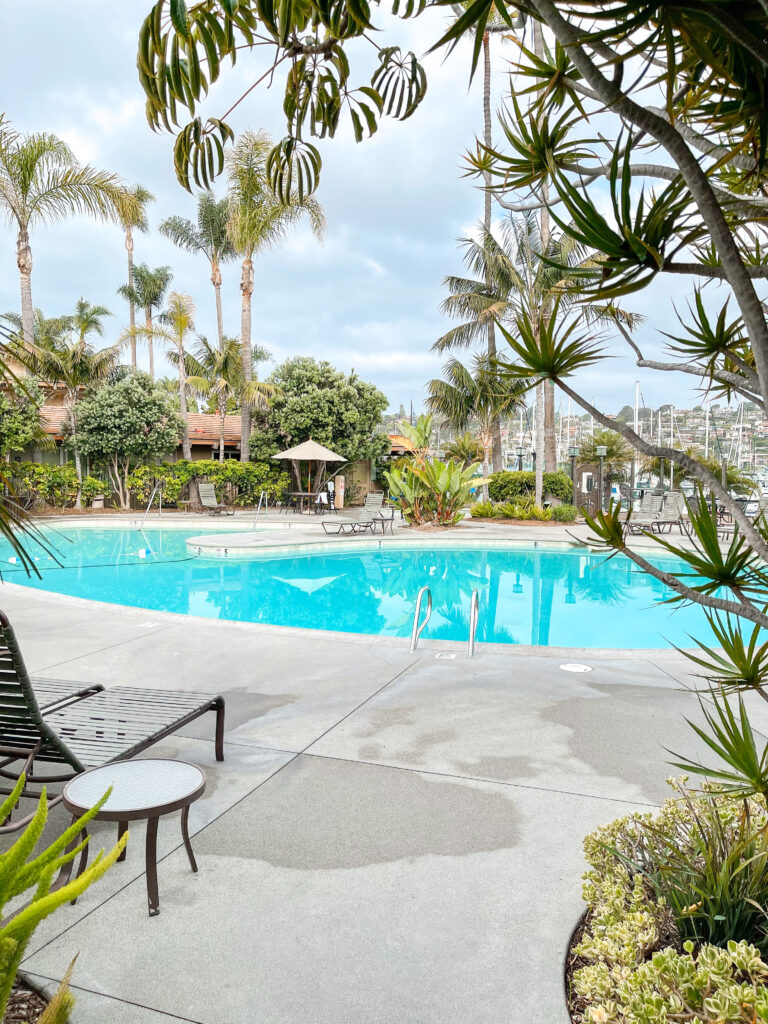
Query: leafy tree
{"points": [[128, 419], [147, 291], [208, 237], [134, 218], [476, 395], [218, 373], [313, 399], [72, 360], [257, 222], [42, 182], [20, 426]]}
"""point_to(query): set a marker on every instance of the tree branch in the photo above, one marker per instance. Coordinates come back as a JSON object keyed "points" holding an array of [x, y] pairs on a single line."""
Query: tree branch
{"points": [[744, 611], [716, 273], [694, 468], [694, 176]]}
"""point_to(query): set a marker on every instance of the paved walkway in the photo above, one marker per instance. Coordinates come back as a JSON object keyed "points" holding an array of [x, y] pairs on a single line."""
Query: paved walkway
{"points": [[392, 837]]}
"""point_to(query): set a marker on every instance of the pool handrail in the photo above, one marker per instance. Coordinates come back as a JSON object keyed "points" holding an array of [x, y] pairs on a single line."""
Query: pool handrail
{"points": [[418, 629], [474, 613]]}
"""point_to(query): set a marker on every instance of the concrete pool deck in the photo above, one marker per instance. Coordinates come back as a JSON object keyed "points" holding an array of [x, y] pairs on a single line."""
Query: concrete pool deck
{"points": [[392, 837]]}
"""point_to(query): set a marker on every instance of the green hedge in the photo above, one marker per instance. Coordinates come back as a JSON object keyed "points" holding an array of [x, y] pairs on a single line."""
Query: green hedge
{"points": [[246, 479], [55, 485], [510, 485]]}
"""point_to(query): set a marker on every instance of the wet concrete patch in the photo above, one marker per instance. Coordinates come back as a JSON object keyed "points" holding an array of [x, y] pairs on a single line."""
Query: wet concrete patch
{"points": [[320, 813]]}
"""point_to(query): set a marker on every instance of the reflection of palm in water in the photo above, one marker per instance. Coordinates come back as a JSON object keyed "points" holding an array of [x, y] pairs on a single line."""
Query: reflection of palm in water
{"points": [[523, 593]]}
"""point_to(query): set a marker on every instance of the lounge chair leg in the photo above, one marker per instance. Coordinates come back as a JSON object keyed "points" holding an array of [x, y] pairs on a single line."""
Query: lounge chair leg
{"points": [[220, 729]]}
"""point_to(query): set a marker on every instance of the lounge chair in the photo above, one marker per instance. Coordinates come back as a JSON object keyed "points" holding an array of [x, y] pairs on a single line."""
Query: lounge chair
{"points": [[370, 514], [647, 515], [72, 727], [674, 512], [210, 503]]}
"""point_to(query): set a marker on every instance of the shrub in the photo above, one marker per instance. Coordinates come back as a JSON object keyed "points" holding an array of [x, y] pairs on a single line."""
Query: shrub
{"points": [[483, 510], [91, 487], [676, 915], [564, 514], [507, 486]]}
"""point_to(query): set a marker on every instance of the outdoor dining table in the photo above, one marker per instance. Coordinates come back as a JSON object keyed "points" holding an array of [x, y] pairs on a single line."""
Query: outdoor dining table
{"points": [[309, 499]]}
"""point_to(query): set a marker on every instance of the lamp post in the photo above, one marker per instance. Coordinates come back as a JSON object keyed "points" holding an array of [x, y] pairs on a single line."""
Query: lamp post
{"points": [[601, 451], [520, 452], [573, 452]]}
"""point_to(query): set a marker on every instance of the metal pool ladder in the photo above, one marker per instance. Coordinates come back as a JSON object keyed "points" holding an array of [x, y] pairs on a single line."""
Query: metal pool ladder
{"points": [[158, 487], [263, 499], [474, 612], [418, 629]]}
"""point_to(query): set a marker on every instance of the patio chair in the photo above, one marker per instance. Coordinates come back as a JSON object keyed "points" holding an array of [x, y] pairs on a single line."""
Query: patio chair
{"points": [[209, 502], [369, 514], [71, 727]]}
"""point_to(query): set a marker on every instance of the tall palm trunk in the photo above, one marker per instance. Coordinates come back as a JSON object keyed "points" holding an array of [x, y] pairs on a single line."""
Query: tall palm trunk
{"points": [[24, 263], [150, 347], [131, 306], [216, 282], [78, 464], [186, 448], [246, 287], [488, 140], [222, 414], [541, 390], [550, 436]]}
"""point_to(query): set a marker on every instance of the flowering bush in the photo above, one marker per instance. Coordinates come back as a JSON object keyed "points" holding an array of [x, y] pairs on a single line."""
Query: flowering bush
{"points": [[240, 482], [55, 485]]}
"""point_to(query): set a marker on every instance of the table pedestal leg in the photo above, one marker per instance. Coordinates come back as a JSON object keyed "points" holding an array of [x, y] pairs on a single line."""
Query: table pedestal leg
{"points": [[153, 896], [185, 837], [122, 828]]}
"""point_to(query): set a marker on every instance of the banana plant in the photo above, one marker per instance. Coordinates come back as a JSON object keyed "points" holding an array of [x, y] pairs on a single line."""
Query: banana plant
{"points": [[434, 492]]}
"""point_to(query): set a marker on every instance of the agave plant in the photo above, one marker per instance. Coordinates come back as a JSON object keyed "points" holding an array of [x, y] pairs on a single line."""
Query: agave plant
{"points": [[19, 874]]}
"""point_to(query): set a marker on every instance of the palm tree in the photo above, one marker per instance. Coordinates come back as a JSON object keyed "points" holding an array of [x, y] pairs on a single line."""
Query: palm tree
{"points": [[466, 448], [258, 221], [479, 394], [134, 219], [147, 291], [519, 280], [208, 237], [218, 373], [174, 327], [71, 360], [42, 182]]}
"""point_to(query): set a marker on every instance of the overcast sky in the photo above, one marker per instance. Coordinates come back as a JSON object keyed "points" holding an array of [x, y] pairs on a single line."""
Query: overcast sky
{"points": [[368, 296]]}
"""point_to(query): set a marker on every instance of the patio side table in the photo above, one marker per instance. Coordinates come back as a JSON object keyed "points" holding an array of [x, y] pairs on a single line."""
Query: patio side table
{"points": [[143, 789]]}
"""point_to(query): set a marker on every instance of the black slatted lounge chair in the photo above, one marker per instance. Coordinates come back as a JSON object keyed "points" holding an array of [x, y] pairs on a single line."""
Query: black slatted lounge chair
{"points": [[70, 728]]}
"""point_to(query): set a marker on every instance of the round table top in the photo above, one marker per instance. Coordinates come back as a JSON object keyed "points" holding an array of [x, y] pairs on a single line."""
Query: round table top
{"points": [[143, 788]]}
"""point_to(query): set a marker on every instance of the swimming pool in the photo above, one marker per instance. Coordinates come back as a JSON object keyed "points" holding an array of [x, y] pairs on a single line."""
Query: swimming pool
{"points": [[527, 595]]}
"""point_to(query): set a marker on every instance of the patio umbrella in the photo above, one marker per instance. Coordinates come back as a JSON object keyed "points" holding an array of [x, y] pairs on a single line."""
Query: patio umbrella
{"points": [[309, 451]]}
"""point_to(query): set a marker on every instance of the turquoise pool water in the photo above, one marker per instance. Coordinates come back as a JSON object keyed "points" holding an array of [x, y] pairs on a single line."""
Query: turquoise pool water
{"points": [[527, 595]]}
